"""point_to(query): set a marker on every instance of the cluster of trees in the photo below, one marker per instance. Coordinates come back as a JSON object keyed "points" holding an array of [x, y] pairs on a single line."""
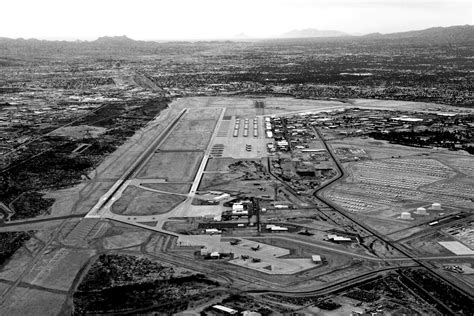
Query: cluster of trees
{"points": [[459, 303], [363, 295], [428, 138], [11, 242], [115, 270], [30, 204], [323, 301], [123, 283], [48, 163]]}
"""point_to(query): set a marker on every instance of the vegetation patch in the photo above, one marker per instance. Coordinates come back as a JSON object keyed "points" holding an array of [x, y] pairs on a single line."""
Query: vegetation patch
{"points": [[31, 204], [11, 242], [126, 284]]}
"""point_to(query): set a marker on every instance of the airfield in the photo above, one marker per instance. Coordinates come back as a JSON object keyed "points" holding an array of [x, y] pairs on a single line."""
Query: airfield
{"points": [[206, 135], [147, 199]]}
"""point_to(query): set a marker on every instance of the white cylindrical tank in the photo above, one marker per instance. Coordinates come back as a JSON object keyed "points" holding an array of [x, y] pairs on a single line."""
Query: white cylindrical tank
{"points": [[405, 215], [421, 211], [436, 207]]}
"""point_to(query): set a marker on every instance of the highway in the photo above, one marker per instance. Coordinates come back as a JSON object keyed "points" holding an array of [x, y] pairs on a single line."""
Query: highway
{"points": [[374, 232], [334, 287]]}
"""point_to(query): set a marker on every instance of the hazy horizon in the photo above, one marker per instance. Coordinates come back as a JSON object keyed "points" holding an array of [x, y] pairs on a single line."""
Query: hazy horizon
{"points": [[212, 19]]}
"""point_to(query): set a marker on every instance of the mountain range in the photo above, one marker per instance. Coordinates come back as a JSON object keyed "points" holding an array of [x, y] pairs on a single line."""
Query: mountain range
{"points": [[312, 33], [451, 34]]}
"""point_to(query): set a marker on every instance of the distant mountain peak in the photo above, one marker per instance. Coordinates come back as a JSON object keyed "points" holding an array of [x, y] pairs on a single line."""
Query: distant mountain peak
{"points": [[456, 33], [115, 39], [309, 32], [241, 36]]}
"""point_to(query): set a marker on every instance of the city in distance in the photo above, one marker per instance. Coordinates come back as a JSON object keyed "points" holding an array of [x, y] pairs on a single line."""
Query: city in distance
{"points": [[317, 173]]}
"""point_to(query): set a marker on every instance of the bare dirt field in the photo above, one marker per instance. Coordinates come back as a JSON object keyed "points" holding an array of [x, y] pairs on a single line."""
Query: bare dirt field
{"points": [[79, 132], [58, 268], [193, 131], [126, 239], [27, 301], [136, 201], [168, 187], [428, 245], [79, 199], [172, 166], [380, 149], [219, 164]]}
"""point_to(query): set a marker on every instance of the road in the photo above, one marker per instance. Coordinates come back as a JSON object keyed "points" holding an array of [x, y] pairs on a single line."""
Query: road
{"points": [[334, 287]]}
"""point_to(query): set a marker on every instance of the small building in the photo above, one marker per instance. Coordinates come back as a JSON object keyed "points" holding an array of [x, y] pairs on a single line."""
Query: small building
{"points": [[226, 310], [275, 228], [316, 259], [337, 238], [240, 212], [214, 255], [405, 216], [421, 211], [221, 197], [237, 207], [204, 251], [250, 313], [213, 231], [436, 207]]}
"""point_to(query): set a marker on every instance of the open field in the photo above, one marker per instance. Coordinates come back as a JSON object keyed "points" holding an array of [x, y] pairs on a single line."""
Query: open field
{"points": [[168, 187], [79, 131], [172, 166], [237, 183], [463, 232], [125, 239], [236, 173], [429, 244], [28, 301], [380, 149], [58, 268], [219, 164], [79, 199], [463, 164], [135, 201], [193, 131]]}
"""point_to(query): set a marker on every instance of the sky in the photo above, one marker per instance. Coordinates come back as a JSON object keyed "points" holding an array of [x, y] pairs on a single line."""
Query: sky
{"points": [[219, 19]]}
